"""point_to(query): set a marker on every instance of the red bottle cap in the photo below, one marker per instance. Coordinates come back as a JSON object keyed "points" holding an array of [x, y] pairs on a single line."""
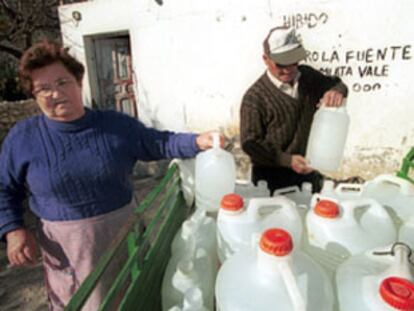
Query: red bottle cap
{"points": [[232, 202], [276, 242], [327, 209], [398, 293]]}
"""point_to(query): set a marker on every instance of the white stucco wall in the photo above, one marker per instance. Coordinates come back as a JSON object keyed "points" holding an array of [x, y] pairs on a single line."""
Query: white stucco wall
{"points": [[194, 59]]}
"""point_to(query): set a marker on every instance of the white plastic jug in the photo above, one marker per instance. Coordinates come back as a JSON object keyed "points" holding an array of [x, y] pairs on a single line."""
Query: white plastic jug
{"points": [[336, 231], [271, 277], [192, 301], [200, 228], [379, 280], [189, 273], [236, 225], [183, 254], [215, 176], [396, 193], [327, 138], [187, 177], [406, 232]]}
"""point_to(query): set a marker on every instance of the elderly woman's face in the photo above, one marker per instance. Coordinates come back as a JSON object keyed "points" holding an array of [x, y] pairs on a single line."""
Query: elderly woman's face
{"points": [[57, 93]]}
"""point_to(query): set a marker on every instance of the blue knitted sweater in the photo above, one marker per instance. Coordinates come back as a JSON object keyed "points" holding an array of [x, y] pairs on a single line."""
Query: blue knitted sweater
{"points": [[78, 169]]}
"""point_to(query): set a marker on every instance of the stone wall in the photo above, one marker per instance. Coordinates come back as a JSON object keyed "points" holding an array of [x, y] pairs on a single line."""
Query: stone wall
{"points": [[11, 112]]}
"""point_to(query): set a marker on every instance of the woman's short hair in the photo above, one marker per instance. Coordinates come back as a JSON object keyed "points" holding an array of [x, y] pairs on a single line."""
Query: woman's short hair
{"points": [[43, 54]]}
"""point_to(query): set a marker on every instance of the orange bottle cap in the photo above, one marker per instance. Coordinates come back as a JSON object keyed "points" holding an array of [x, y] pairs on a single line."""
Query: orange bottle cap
{"points": [[232, 202], [327, 209], [398, 293], [276, 242]]}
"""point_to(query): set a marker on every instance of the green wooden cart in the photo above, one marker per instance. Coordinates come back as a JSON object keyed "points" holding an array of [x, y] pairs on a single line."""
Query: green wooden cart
{"points": [[138, 284], [407, 168]]}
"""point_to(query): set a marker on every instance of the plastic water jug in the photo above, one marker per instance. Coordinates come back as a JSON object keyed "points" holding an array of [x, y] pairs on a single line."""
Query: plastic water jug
{"points": [[195, 242], [236, 225], [336, 231], [327, 138], [189, 273], [396, 193], [247, 190], [199, 229], [379, 280], [272, 276], [215, 176], [192, 301], [406, 232], [187, 177], [184, 253]]}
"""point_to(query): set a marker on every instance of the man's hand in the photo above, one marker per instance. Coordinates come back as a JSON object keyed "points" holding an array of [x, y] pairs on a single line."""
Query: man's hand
{"points": [[21, 247], [332, 98], [300, 165], [205, 140]]}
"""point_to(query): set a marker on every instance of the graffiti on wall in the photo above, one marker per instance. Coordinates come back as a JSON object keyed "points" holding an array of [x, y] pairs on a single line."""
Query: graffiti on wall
{"points": [[309, 20], [361, 64], [368, 67]]}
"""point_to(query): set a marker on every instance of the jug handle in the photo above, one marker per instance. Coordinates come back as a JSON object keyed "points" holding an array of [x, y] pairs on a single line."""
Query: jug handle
{"points": [[216, 140], [256, 204], [291, 286], [375, 208], [348, 187], [287, 190], [347, 210], [406, 187]]}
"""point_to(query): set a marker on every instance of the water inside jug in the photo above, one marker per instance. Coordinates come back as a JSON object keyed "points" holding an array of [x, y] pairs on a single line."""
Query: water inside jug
{"points": [[327, 138], [272, 276], [215, 176]]}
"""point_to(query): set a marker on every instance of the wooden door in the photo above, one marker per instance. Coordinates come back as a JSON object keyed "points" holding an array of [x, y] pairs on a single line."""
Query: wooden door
{"points": [[114, 74]]}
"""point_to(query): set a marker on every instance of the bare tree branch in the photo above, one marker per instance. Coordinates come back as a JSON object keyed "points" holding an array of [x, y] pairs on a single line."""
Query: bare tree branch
{"points": [[16, 52], [26, 21], [8, 9]]}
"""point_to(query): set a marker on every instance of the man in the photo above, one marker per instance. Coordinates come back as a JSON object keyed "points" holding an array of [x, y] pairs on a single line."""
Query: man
{"points": [[277, 110]]}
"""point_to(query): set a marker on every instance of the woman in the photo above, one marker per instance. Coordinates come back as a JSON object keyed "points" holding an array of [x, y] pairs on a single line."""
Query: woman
{"points": [[76, 165]]}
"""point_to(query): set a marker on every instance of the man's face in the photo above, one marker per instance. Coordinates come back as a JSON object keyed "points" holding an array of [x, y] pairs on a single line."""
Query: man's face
{"points": [[284, 73]]}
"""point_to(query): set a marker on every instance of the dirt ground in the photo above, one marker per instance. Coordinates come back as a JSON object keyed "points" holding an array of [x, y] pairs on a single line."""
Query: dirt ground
{"points": [[21, 289]]}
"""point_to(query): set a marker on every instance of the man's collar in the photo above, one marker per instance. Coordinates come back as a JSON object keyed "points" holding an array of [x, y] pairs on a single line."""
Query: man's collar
{"points": [[282, 85]]}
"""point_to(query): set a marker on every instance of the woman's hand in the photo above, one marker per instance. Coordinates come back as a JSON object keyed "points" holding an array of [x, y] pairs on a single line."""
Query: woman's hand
{"points": [[205, 140], [21, 247]]}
